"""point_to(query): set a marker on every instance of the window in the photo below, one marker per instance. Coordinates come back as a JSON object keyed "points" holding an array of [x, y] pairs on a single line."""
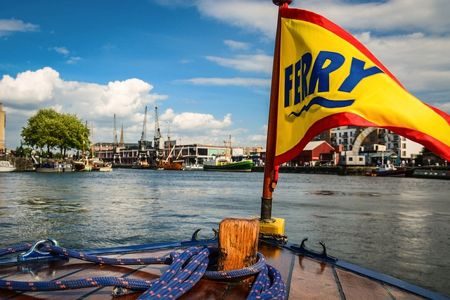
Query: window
{"points": [[202, 151], [350, 159]]}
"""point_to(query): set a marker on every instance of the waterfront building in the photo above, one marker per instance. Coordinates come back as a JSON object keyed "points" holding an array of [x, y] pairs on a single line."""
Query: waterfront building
{"points": [[315, 153], [129, 153], [396, 148], [2, 129]]}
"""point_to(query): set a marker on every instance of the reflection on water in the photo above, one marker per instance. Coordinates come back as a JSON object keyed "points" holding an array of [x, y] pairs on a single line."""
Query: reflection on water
{"points": [[398, 226]]}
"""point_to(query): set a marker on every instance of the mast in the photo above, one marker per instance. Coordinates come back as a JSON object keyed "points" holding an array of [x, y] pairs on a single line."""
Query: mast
{"points": [[269, 166]]}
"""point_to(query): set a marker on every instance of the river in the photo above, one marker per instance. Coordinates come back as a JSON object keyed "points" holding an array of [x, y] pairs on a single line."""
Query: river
{"points": [[398, 226]]}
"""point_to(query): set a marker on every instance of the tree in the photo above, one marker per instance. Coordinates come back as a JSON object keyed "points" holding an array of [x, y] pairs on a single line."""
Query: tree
{"points": [[50, 129]]}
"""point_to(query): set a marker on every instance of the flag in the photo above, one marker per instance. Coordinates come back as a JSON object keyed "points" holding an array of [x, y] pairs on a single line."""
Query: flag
{"points": [[329, 79]]}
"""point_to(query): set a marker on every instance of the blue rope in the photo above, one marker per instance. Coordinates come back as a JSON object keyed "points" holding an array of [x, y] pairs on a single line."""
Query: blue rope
{"points": [[185, 270]]}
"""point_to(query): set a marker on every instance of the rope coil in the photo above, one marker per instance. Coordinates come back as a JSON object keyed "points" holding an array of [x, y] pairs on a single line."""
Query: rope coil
{"points": [[185, 270]]}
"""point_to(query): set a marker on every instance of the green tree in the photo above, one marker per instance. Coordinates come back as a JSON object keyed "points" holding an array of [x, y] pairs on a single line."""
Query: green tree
{"points": [[50, 129]]}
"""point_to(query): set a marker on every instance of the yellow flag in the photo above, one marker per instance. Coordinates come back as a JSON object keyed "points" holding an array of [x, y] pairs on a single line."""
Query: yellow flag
{"points": [[328, 79]]}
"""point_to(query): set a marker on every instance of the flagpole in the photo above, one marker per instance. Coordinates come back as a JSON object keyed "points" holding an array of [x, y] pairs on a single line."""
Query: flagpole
{"points": [[270, 176]]}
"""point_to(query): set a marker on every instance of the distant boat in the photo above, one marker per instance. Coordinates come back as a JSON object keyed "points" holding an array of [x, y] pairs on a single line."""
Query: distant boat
{"points": [[432, 173], [82, 165], [224, 165], [175, 165], [6, 166], [54, 167], [100, 165], [387, 170], [195, 167]]}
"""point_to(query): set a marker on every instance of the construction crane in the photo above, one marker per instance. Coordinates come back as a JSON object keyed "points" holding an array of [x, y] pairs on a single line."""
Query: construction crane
{"points": [[142, 142], [115, 132], [157, 136]]}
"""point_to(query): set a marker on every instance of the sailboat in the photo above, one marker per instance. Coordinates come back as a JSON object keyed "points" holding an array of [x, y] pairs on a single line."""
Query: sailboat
{"points": [[200, 269]]}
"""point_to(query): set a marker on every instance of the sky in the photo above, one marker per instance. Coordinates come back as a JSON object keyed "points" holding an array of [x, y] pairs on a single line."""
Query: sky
{"points": [[206, 64]]}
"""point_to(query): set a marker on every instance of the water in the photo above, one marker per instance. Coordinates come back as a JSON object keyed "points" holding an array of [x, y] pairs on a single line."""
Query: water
{"points": [[398, 226]]}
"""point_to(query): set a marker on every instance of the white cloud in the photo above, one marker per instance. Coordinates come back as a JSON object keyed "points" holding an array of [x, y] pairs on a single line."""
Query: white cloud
{"points": [[259, 63], [73, 60], [429, 16], [32, 90], [250, 15], [29, 87], [192, 127], [10, 26], [235, 81], [235, 45], [61, 50]]}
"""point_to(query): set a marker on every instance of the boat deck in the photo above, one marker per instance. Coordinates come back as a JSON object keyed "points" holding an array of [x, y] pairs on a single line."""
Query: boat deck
{"points": [[305, 277]]}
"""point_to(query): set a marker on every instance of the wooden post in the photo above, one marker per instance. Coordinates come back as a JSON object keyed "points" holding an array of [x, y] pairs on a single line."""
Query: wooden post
{"points": [[238, 243]]}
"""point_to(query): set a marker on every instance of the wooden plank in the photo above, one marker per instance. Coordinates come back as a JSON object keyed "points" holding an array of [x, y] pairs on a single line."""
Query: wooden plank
{"points": [[281, 259], [312, 280], [401, 294], [358, 287]]}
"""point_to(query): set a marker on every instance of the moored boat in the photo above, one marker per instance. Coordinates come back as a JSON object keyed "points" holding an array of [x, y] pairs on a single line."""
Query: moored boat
{"points": [[82, 165], [387, 170], [224, 165], [6, 166], [100, 165], [51, 166], [431, 173], [175, 165], [194, 167]]}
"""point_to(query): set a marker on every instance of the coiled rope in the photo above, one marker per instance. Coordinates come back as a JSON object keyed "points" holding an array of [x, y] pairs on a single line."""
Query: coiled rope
{"points": [[186, 269]]}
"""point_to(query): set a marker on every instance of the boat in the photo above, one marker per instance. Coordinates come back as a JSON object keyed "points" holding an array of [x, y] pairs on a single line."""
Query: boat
{"points": [[127, 271], [193, 167], [100, 165], [223, 164], [171, 164], [6, 166], [52, 166], [268, 266], [175, 165], [82, 165], [431, 173], [387, 170]]}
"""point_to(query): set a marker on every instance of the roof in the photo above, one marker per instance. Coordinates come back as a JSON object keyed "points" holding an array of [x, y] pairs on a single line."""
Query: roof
{"points": [[313, 145]]}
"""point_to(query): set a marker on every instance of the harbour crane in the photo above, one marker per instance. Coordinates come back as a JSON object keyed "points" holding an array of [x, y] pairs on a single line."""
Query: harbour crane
{"points": [[142, 142], [157, 136]]}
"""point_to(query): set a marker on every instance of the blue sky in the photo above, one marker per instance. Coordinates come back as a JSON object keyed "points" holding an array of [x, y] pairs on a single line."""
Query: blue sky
{"points": [[206, 64]]}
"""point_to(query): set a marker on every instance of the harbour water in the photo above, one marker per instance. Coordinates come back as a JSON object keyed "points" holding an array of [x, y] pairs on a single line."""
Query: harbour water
{"points": [[398, 226]]}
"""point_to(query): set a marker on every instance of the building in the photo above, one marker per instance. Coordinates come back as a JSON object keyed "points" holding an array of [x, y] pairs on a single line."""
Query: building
{"points": [[315, 153], [2, 129]]}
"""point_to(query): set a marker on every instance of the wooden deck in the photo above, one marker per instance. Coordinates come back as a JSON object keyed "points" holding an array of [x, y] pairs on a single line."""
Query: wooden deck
{"points": [[305, 278]]}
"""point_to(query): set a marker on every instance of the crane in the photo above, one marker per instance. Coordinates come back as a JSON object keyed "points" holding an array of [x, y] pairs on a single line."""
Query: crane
{"points": [[144, 132], [157, 136]]}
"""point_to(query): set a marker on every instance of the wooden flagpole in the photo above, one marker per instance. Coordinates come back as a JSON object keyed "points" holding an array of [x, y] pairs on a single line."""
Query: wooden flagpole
{"points": [[269, 166]]}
